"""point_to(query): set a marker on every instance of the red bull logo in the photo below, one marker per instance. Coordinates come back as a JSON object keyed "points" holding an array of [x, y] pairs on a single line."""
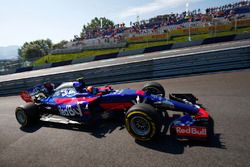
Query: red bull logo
{"points": [[193, 131]]}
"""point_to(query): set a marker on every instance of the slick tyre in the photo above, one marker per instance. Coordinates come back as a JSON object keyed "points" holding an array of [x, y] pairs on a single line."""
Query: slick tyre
{"points": [[143, 122], [154, 88], [27, 115]]}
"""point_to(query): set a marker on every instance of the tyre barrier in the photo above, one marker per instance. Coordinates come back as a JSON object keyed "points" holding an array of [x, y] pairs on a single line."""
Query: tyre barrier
{"points": [[83, 60], [47, 65], [158, 48], [187, 44], [130, 52], [106, 56], [62, 63], [23, 69], [218, 39]]}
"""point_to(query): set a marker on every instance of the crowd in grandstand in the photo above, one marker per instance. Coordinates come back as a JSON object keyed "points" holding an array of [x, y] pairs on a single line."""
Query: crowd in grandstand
{"points": [[224, 11], [109, 31], [116, 33]]}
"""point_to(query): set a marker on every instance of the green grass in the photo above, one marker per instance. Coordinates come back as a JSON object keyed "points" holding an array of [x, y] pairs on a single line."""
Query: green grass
{"points": [[72, 56], [65, 57]]}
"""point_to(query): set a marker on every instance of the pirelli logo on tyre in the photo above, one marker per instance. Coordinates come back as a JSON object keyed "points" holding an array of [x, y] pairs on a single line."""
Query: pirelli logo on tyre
{"points": [[193, 131]]}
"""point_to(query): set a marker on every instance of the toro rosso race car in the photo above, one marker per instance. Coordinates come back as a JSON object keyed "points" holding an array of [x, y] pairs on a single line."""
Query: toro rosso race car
{"points": [[145, 111]]}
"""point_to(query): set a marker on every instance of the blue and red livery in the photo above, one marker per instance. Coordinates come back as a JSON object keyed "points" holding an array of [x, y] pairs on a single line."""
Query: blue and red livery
{"points": [[145, 111]]}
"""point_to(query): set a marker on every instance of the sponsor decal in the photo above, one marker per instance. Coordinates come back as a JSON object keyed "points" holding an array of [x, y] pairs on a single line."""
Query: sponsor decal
{"points": [[74, 100], [118, 92], [193, 131], [70, 110], [113, 106], [67, 92]]}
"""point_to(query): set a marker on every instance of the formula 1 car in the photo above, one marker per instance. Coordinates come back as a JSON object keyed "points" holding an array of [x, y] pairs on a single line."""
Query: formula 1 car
{"points": [[145, 111]]}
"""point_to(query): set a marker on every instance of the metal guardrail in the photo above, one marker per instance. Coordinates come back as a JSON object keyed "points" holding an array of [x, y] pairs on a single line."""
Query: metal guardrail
{"points": [[156, 68]]}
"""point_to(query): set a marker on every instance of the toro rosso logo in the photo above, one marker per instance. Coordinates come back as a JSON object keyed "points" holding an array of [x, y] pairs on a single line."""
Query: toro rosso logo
{"points": [[193, 131]]}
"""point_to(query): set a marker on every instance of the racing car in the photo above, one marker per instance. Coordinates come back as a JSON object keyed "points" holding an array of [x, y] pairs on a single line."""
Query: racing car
{"points": [[145, 111]]}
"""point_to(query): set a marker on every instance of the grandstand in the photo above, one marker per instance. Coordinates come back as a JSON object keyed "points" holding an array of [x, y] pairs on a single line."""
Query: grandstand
{"points": [[163, 27]]}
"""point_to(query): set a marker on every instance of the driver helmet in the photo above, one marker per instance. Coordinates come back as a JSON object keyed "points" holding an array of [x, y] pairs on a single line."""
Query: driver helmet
{"points": [[79, 84], [81, 81]]}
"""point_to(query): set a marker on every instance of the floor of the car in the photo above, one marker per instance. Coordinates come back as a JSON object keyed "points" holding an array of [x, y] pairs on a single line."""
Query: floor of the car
{"points": [[57, 119]]}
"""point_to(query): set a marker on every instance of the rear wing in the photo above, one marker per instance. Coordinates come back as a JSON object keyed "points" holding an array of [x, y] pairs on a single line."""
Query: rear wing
{"points": [[29, 94], [26, 96]]}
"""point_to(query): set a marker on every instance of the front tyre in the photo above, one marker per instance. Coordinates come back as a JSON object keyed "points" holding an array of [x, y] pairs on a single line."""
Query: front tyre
{"points": [[143, 122], [154, 88], [27, 115]]}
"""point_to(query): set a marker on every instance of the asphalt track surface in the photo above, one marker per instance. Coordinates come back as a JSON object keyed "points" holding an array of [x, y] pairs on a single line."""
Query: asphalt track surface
{"points": [[225, 95], [129, 59]]}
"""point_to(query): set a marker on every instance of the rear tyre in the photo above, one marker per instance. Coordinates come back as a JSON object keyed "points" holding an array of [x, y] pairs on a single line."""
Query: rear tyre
{"points": [[154, 88], [27, 115], [143, 122]]}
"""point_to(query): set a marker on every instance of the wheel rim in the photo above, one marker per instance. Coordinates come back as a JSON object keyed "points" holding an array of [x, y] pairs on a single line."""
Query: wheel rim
{"points": [[140, 125], [21, 117]]}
